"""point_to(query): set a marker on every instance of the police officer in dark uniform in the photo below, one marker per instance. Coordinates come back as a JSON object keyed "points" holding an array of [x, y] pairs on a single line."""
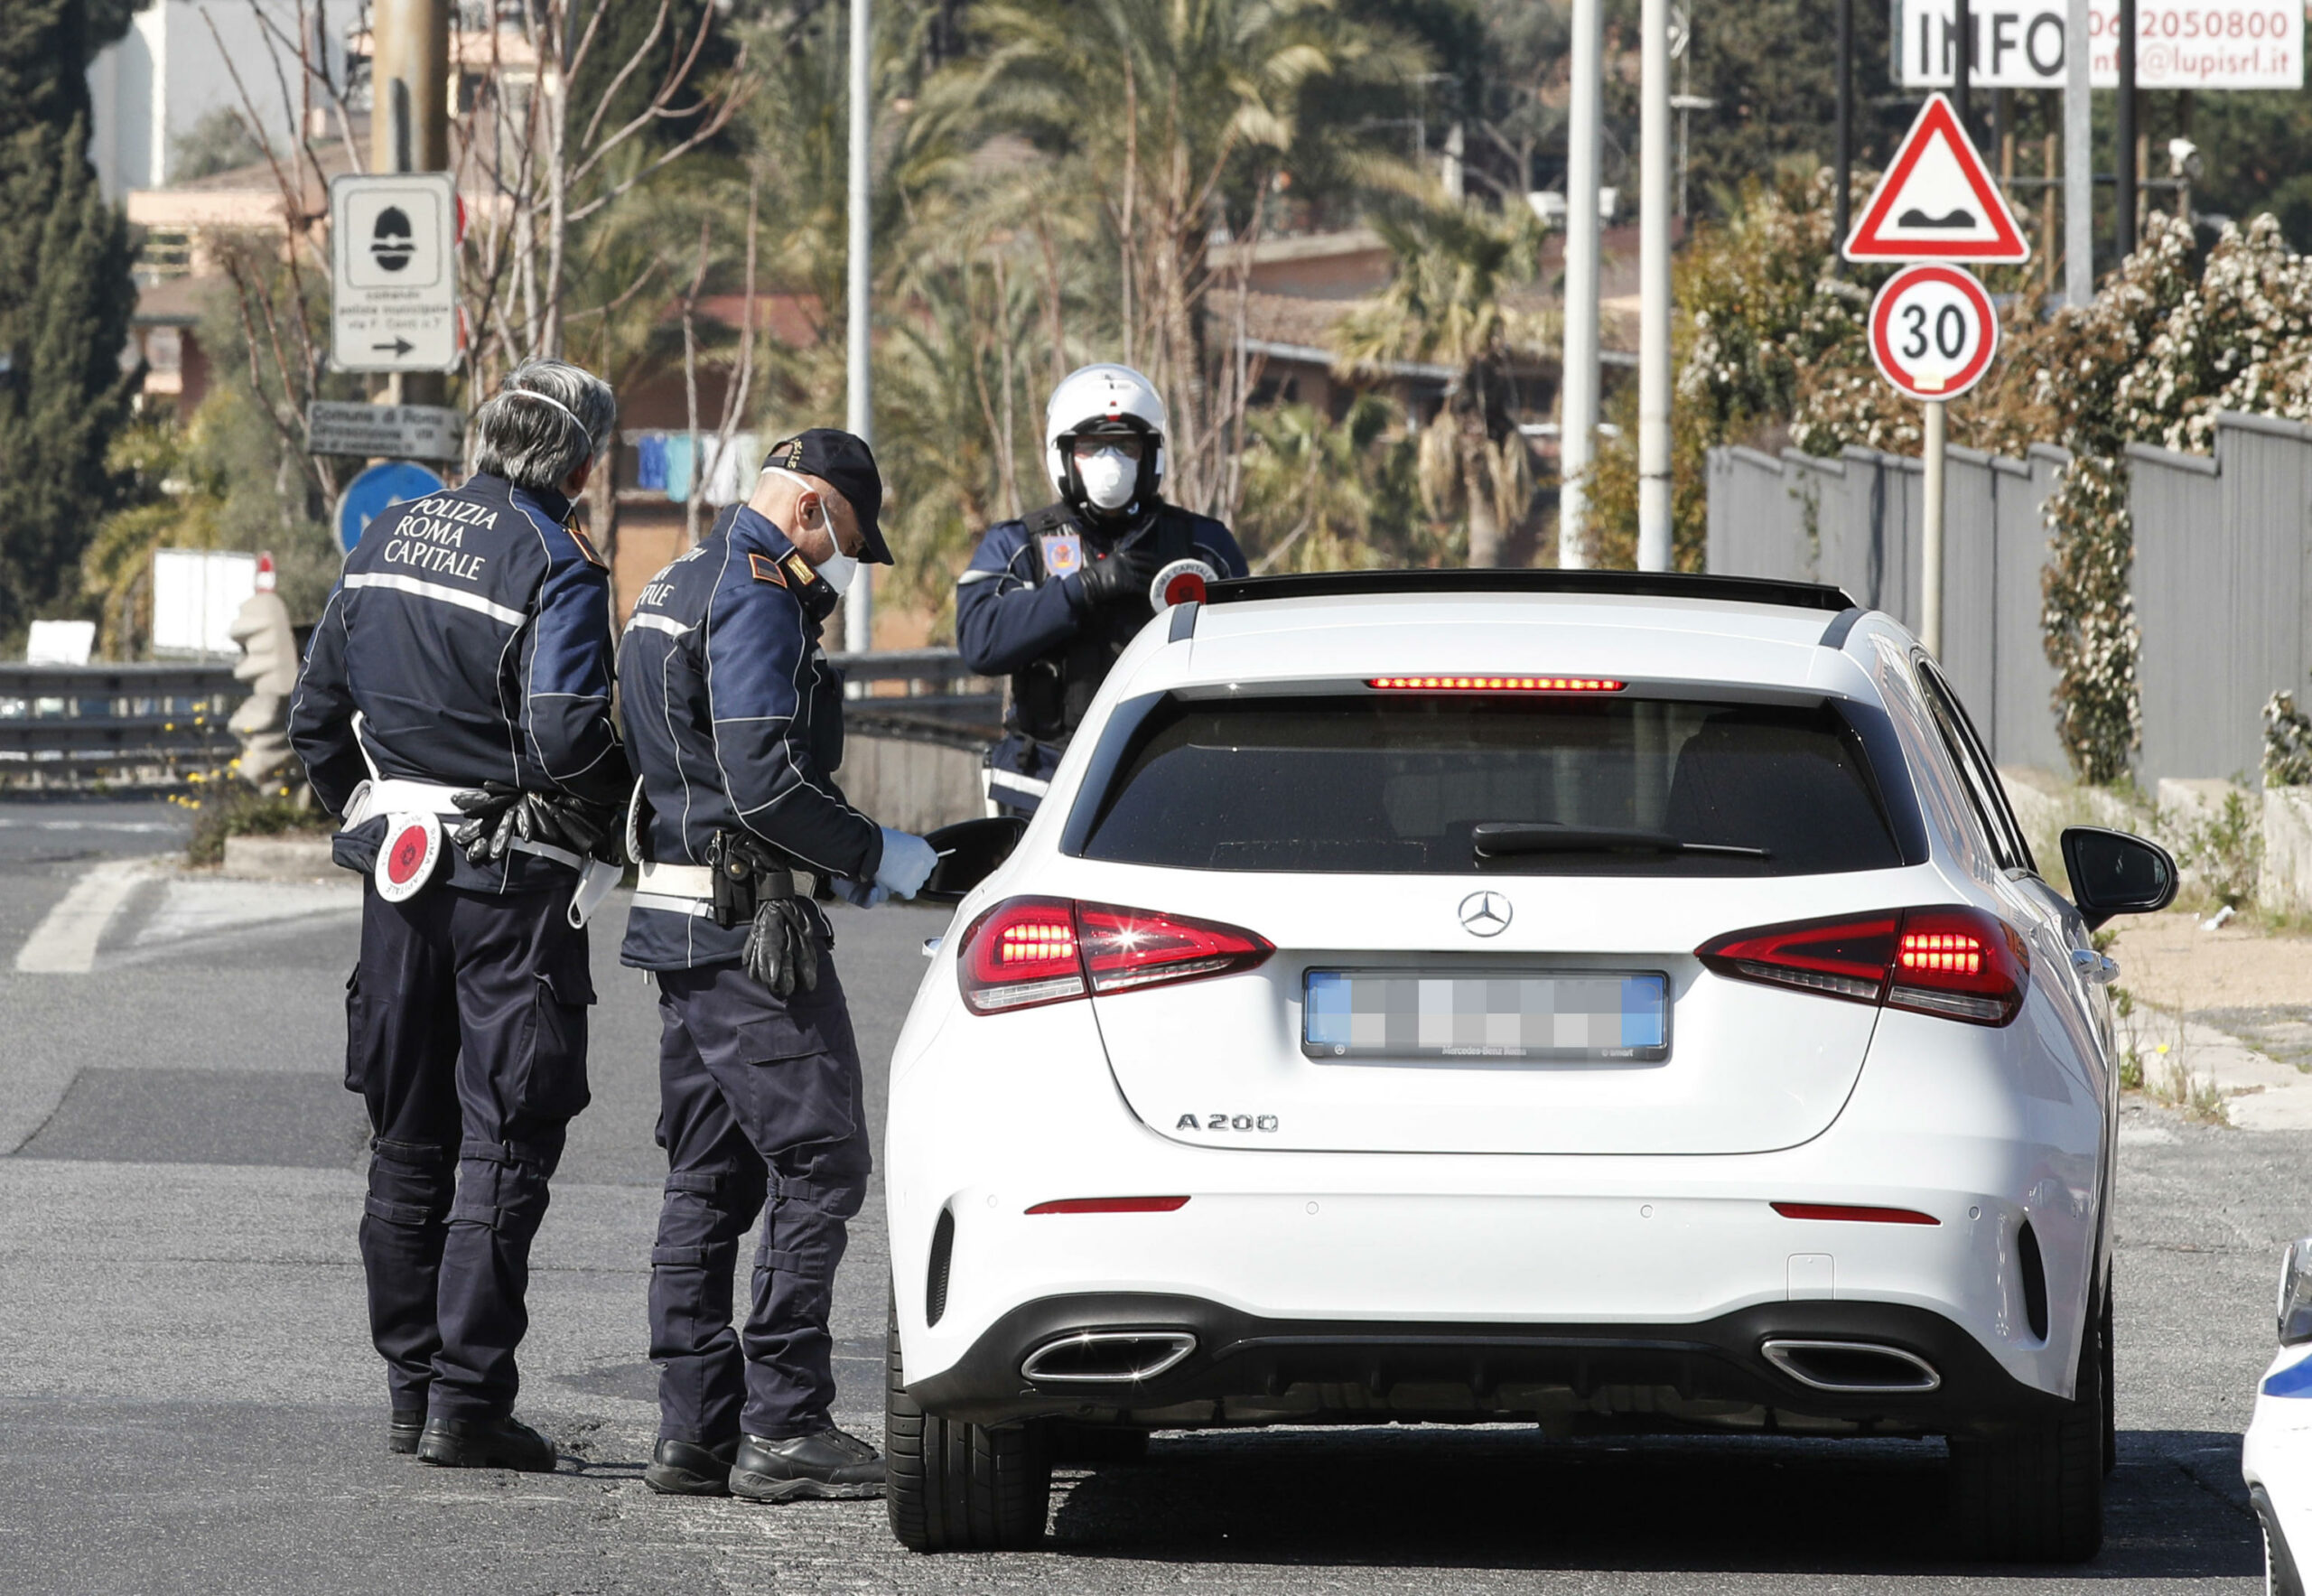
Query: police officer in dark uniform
{"points": [[1051, 601], [734, 718], [466, 654]]}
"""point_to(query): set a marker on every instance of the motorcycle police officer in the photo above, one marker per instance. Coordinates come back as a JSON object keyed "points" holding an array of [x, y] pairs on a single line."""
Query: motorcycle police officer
{"points": [[1052, 600], [735, 721], [462, 669]]}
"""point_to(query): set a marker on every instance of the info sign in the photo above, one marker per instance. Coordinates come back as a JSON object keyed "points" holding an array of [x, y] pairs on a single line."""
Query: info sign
{"points": [[1933, 331], [392, 271], [2179, 43]]}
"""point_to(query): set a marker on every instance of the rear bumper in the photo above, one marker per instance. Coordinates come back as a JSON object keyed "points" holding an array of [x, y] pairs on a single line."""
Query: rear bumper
{"points": [[1245, 1369]]}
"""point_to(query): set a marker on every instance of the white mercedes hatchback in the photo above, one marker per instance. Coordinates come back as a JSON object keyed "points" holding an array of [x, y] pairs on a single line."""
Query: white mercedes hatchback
{"points": [[1588, 999]]}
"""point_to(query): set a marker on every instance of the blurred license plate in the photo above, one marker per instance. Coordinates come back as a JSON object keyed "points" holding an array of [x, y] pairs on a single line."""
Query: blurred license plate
{"points": [[1548, 1016]]}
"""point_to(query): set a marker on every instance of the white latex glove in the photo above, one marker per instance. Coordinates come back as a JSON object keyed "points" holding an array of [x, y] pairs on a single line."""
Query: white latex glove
{"points": [[907, 863]]}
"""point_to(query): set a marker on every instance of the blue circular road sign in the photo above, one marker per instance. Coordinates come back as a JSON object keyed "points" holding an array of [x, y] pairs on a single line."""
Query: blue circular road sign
{"points": [[386, 483]]}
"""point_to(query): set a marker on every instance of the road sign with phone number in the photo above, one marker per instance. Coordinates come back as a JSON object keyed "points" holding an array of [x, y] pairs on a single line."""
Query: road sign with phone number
{"points": [[1933, 331]]}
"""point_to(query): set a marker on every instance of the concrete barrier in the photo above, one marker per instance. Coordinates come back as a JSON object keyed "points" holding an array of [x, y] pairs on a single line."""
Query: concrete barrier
{"points": [[913, 783], [2284, 882], [291, 858]]}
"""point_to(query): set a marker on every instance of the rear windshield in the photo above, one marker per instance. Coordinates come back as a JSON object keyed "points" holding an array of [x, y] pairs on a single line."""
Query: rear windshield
{"points": [[1378, 783]]}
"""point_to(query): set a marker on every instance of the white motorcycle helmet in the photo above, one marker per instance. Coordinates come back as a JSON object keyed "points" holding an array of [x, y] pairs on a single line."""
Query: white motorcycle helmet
{"points": [[1104, 400]]}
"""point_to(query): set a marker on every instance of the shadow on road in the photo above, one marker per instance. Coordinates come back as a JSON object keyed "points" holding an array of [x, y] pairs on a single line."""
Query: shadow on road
{"points": [[1502, 1499]]}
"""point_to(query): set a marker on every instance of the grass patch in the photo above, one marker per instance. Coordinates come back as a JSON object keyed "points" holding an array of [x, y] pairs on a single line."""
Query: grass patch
{"points": [[224, 806]]}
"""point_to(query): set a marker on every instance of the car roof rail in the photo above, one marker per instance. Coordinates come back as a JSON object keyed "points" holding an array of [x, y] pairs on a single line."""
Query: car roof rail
{"points": [[1646, 584]]}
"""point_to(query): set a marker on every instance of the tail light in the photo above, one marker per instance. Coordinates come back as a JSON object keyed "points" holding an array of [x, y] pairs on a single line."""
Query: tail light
{"points": [[1027, 951], [1961, 964]]}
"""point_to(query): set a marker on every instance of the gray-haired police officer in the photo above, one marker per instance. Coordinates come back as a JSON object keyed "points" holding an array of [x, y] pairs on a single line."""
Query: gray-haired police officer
{"points": [[735, 721], [468, 647]]}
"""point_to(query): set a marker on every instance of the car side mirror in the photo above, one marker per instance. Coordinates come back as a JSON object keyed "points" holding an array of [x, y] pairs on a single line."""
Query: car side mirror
{"points": [[969, 851], [2112, 872]]}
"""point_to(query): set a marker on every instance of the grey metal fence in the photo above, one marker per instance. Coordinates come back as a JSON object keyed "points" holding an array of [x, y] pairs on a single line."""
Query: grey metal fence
{"points": [[2221, 591], [1854, 521], [60, 719]]}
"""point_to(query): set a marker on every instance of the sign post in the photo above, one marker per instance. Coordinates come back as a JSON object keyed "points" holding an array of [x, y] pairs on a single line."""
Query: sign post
{"points": [[393, 271], [1933, 330]]}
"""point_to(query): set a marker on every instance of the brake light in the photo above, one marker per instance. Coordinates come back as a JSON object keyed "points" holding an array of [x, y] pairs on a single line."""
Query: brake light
{"points": [[1495, 683], [1027, 951], [1961, 964]]}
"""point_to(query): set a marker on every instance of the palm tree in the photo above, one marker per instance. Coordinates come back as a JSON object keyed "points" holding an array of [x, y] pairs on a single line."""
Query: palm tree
{"points": [[1325, 495], [1447, 305], [1172, 117]]}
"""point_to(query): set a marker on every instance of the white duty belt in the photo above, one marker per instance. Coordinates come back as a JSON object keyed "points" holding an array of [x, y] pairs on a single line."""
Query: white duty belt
{"points": [[395, 795], [689, 889]]}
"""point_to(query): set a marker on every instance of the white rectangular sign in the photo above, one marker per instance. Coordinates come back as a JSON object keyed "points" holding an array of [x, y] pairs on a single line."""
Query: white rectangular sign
{"points": [[385, 432], [393, 271], [196, 594], [2179, 43]]}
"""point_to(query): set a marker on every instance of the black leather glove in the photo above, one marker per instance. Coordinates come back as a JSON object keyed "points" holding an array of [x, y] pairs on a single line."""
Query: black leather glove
{"points": [[1117, 573], [783, 947], [502, 814]]}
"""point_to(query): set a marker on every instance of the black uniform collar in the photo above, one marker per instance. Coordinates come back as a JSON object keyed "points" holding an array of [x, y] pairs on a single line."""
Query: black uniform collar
{"points": [[753, 533]]}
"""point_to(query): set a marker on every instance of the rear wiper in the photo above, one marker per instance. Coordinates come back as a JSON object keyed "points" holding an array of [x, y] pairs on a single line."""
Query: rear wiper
{"points": [[1504, 839]]}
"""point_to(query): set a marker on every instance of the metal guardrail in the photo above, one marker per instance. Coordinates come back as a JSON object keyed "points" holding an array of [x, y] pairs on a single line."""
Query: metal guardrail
{"points": [[59, 718], [63, 717]]}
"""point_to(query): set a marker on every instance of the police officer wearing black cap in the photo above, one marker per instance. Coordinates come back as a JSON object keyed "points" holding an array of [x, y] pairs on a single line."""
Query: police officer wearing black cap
{"points": [[734, 719], [457, 688]]}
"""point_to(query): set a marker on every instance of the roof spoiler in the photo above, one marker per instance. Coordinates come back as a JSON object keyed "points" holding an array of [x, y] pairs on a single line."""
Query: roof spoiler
{"points": [[1644, 584]]}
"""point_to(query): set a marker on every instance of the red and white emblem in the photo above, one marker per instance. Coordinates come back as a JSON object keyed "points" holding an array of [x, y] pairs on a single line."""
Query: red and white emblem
{"points": [[1182, 582], [405, 863]]}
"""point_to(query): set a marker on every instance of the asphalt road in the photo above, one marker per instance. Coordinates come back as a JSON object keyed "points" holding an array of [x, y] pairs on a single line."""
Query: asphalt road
{"points": [[189, 1403]]}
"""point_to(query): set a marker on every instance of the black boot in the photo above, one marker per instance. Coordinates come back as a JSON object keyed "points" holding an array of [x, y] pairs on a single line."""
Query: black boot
{"points": [[686, 1469], [825, 1465], [401, 1434], [485, 1444]]}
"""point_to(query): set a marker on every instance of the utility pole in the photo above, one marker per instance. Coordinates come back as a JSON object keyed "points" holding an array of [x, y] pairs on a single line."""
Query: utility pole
{"points": [[1653, 287], [1578, 405], [859, 410], [410, 125], [2078, 161], [2123, 137], [1841, 222], [1930, 604]]}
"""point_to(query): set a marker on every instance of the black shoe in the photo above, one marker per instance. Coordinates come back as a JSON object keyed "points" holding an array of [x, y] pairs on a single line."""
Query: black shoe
{"points": [[401, 1434], [825, 1465], [686, 1469], [485, 1444]]}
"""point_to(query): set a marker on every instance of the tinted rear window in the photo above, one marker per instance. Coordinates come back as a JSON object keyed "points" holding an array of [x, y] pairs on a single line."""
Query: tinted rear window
{"points": [[1377, 783]]}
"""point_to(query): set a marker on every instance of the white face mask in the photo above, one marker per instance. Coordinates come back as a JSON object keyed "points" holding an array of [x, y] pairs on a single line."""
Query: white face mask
{"points": [[1109, 478], [838, 568]]}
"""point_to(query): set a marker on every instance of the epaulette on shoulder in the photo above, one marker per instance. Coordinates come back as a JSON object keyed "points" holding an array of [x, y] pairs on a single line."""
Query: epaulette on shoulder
{"points": [[1052, 517]]}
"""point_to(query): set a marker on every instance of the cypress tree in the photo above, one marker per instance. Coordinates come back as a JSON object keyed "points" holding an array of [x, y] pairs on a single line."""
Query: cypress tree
{"points": [[66, 297]]}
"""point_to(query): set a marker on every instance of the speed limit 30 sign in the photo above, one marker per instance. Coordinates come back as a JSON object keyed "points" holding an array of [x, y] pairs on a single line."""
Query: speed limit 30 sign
{"points": [[1933, 331]]}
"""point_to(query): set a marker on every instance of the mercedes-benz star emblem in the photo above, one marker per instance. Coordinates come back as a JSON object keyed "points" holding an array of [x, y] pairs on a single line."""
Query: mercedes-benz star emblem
{"points": [[1484, 914]]}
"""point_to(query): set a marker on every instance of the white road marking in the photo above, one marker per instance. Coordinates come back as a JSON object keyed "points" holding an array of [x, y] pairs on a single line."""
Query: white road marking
{"points": [[65, 942]]}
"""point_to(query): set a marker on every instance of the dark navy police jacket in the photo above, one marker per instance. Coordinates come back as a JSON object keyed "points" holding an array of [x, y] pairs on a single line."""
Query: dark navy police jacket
{"points": [[1015, 618], [734, 720], [472, 633]]}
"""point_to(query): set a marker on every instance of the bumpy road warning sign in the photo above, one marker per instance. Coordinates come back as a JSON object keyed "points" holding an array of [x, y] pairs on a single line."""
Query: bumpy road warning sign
{"points": [[1937, 201]]}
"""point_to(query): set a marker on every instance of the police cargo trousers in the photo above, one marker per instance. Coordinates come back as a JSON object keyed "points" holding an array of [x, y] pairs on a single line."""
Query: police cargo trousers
{"points": [[760, 1111], [466, 1036]]}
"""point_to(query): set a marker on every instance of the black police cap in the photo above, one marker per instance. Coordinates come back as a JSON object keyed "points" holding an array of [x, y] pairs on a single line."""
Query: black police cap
{"points": [[846, 460]]}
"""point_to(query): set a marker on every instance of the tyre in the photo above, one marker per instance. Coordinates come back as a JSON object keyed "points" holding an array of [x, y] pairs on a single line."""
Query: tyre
{"points": [[960, 1487], [2110, 1389], [1093, 1444], [2033, 1492]]}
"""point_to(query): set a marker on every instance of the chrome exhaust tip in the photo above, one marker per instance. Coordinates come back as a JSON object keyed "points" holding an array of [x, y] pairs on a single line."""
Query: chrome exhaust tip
{"points": [[1106, 1357], [1858, 1369]]}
